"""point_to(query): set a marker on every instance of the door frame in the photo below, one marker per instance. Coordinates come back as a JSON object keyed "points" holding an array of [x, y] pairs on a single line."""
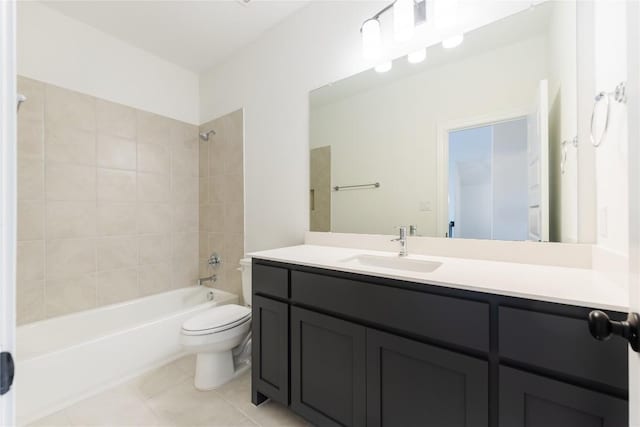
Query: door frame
{"points": [[8, 194], [442, 155], [633, 110]]}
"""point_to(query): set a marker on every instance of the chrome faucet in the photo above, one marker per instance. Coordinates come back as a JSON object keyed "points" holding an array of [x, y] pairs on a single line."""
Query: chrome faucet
{"points": [[403, 241]]}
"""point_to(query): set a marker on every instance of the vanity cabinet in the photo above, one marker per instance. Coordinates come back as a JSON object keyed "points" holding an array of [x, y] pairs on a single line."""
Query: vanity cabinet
{"points": [[327, 369], [344, 349], [270, 357], [409, 382], [528, 400]]}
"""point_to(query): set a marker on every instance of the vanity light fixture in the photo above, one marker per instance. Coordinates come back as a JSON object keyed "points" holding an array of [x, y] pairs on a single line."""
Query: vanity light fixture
{"points": [[383, 67], [417, 56], [452, 42], [371, 39], [403, 20], [407, 14]]}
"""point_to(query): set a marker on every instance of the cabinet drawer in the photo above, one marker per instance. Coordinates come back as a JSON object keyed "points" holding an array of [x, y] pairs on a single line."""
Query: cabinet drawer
{"points": [[269, 280], [446, 319], [561, 344]]}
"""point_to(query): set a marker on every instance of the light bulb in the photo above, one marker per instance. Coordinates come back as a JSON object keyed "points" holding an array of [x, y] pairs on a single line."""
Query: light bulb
{"points": [[403, 20], [452, 42], [383, 67], [371, 39], [417, 56]]}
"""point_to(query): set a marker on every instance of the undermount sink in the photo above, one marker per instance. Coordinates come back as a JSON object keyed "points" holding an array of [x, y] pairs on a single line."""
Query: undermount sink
{"points": [[395, 263]]}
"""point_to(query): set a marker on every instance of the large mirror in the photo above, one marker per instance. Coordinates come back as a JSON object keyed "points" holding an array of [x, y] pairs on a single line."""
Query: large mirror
{"points": [[473, 142]]}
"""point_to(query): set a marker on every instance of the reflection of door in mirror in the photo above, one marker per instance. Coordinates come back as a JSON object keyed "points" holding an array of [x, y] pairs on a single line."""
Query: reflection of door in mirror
{"points": [[320, 189], [488, 181]]}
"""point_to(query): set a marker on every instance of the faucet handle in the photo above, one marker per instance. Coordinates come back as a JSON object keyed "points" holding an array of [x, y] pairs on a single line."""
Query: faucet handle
{"points": [[402, 233]]}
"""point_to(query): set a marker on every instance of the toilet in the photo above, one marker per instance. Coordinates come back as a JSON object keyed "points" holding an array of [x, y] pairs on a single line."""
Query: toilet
{"points": [[221, 338]]}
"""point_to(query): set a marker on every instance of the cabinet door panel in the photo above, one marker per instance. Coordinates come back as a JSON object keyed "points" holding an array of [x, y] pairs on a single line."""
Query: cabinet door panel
{"points": [[529, 400], [327, 369], [414, 384], [270, 336]]}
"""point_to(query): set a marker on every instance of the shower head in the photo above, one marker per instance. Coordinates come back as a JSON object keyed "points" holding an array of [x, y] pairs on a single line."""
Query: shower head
{"points": [[205, 135]]}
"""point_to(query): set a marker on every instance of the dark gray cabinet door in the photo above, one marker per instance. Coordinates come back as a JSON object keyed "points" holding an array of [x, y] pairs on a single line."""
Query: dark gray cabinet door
{"points": [[327, 369], [270, 357], [414, 384], [528, 400]]}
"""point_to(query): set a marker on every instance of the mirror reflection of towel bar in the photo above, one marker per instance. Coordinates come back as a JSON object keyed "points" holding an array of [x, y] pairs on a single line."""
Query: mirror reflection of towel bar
{"points": [[620, 96], [345, 187]]}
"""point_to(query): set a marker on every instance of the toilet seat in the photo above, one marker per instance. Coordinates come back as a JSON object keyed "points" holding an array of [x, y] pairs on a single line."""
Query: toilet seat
{"points": [[217, 319]]}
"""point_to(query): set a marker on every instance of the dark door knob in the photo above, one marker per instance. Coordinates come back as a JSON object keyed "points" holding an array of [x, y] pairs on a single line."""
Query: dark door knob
{"points": [[601, 328]]}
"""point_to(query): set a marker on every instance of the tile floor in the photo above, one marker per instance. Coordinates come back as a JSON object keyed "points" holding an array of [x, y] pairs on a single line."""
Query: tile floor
{"points": [[166, 397]]}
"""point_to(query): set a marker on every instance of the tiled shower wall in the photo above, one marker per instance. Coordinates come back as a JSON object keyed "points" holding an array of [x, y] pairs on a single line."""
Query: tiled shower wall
{"points": [[108, 202], [222, 199]]}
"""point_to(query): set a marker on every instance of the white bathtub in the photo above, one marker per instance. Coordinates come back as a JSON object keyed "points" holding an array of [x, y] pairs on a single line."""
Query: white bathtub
{"points": [[67, 358]]}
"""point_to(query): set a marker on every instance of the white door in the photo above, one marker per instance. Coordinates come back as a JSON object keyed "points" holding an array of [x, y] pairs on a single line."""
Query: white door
{"points": [[8, 175], [538, 164]]}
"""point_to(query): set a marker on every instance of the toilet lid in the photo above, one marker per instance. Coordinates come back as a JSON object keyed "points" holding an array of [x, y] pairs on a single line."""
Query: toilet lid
{"points": [[218, 318]]}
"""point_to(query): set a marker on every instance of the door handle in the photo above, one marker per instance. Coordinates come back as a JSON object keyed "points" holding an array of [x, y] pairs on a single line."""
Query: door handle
{"points": [[602, 328], [7, 370]]}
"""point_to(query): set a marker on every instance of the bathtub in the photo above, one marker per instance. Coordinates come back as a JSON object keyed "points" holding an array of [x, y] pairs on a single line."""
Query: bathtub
{"points": [[64, 359]]}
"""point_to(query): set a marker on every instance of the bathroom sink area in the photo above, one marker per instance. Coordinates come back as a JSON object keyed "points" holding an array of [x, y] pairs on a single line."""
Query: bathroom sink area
{"points": [[394, 263]]}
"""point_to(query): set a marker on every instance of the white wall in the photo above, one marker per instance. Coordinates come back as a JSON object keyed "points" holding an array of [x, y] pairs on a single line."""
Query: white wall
{"points": [[61, 51], [271, 80], [389, 134], [611, 157]]}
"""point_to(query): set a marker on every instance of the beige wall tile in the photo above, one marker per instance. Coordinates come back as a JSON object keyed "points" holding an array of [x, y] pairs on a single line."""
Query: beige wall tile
{"points": [[64, 296], [154, 158], [31, 220], [30, 179], [70, 182], [185, 245], [116, 185], [152, 129], [30, 137], [184, 272], [234, 218], [154, 249], [216, 157], [66, 220], [154, 187], [72, 109], [154, 278], [70, 258], [185, 162], [203, 195], [30, 260], [203, 161], [115, 119], [234, 185], [116, 219], [117, 252], [116, 153], [154, 218], [70, 145], [30, 296], [217, 189], [185, 189], [185, 217], [117, 286]]}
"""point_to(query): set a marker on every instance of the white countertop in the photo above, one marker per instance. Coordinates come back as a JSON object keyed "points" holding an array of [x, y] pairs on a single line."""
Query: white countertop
{"points": [[572, 286]]}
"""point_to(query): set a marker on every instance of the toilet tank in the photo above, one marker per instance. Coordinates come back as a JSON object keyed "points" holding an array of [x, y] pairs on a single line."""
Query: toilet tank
{"points": [[245, 268]]}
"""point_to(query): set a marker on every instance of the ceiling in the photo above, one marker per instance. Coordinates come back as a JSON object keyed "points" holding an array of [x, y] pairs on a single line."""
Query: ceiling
{"points": [[196, 35]]}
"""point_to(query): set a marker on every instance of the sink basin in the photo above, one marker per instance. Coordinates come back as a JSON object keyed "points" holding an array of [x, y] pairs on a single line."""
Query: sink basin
{"points": [[394, 263]]}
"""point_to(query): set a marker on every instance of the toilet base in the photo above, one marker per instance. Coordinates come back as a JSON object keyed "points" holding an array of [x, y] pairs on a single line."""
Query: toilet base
{"points": [[213, 370]]}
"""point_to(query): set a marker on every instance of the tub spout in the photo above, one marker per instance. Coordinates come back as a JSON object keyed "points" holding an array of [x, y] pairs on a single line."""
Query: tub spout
{"points": [[210, 280]]}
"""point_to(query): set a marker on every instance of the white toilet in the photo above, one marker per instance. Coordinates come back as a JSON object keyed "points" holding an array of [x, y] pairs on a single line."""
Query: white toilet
{"points": [[221, 338]]}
